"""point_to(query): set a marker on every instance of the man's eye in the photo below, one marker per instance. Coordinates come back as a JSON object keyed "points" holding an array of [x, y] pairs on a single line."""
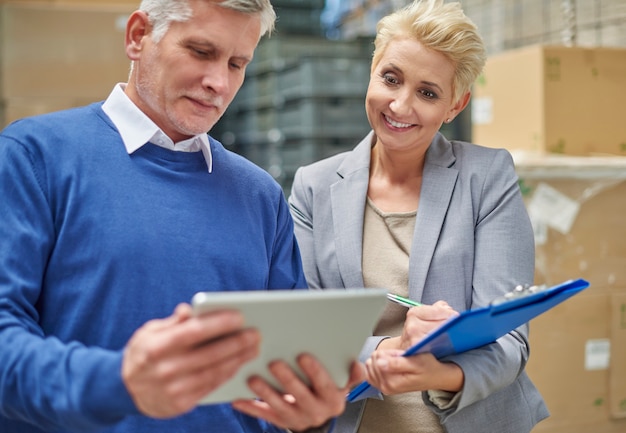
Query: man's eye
{"points": [[198, 52]]}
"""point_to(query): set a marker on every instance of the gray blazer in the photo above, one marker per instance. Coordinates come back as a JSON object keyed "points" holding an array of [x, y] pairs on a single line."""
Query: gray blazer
{"points": [[473, 242]]}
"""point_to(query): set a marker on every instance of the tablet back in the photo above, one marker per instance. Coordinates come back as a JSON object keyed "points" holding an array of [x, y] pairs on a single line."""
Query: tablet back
{"points": [[331, 324]]}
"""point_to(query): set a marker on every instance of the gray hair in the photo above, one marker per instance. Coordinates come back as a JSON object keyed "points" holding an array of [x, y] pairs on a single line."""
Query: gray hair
{"points": [[163, 12], [442, 27]]}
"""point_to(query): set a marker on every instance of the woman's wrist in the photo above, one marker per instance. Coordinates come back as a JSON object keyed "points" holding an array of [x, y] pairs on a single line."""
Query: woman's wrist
{"points": [[389, 343]]}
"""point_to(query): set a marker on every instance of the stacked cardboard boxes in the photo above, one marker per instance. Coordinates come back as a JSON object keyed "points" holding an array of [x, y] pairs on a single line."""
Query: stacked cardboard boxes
{"points": [[56, 55], [298, 17], [578, 349], [557, 108], [552, 99]]}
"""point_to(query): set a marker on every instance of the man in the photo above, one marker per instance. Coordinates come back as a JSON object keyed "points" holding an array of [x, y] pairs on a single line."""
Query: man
{"points": [[115, 214]]}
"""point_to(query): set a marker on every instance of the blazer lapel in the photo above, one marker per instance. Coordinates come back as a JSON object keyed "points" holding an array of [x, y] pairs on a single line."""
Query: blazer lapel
{"points": [[437, 187], [348, 196]]}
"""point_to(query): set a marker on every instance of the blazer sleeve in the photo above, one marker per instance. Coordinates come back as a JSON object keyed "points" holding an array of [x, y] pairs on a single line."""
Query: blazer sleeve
{"points": [[300, 205], [504, 257]]}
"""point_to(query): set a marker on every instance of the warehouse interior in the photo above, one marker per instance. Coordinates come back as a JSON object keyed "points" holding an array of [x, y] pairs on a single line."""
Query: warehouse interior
{"points": [[552, 93]]}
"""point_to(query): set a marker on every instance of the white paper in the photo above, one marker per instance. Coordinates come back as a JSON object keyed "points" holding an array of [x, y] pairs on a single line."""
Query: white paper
{"points": [[597, 354], [482, 110], [553, 208], [540, 231]]}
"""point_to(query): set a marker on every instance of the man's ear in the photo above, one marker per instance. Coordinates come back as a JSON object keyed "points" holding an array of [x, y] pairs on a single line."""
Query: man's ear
{"points": [[137, 28]]}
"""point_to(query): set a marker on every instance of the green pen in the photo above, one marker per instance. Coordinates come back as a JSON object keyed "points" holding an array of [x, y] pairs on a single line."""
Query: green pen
{"points": [[403, 301]]}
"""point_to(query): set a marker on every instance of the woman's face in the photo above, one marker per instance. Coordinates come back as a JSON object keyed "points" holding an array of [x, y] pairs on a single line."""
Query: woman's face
{"points": [[410, 95]]}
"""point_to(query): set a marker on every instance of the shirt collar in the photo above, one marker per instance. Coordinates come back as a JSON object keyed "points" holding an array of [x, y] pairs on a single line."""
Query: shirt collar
{"points": [[137, 129]]}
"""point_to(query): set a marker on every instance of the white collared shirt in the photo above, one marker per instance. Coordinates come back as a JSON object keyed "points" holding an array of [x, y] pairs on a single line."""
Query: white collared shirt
{"points": [[137, 129]]}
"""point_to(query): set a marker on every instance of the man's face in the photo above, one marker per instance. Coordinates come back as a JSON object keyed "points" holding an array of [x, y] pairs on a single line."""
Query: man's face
{"points": [[185, 82]]}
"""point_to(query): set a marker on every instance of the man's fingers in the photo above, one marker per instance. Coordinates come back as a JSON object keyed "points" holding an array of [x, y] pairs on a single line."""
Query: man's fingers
{"points": [[189, 386], [234, 348], [170, 364], [182, 332], [301, 406], [357, 375]]}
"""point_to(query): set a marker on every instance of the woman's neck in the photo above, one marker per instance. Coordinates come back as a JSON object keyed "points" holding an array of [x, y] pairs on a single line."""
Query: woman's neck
{"points": [[395, 180]]}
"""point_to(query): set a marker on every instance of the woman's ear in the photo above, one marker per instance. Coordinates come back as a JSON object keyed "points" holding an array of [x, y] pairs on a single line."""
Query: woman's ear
{"points": [[458, 107], [137, 28]]}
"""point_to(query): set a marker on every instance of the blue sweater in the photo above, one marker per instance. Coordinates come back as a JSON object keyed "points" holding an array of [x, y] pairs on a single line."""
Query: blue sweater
{"points": [[95, 242]]}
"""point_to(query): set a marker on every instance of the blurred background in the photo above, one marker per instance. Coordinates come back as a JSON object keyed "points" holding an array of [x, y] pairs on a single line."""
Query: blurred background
{"points": [[303, 96], [552, 93]]}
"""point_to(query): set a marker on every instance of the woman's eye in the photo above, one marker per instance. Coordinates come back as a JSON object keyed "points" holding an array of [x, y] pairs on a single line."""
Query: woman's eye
{"points": [[390, 79], [428, 94]]}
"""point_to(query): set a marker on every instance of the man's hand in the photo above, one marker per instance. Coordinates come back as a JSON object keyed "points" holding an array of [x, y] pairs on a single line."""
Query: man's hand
{"points": [[170, 364], [301, 406]]}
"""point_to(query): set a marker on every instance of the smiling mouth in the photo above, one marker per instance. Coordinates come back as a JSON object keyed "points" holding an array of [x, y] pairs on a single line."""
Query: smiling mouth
{"points": [[396, 124]]}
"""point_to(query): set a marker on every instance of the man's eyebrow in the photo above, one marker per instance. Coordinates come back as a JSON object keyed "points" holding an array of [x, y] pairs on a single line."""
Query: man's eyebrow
{"points": [[210, 46], [200, 42]]}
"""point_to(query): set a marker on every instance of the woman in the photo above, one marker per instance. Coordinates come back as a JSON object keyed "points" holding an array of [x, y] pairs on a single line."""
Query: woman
{"points": [[430, 219]]}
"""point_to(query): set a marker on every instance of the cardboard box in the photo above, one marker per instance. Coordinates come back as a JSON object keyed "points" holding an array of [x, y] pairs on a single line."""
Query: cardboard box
{"points": [[17, 108], [552, 99], [577, 206], [617, 373], [51, 50], [578, 349], [574, 365]]}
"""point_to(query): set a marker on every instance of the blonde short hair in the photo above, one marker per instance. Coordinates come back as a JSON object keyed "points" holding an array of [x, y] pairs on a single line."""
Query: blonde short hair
{"points": [[439, 26]]}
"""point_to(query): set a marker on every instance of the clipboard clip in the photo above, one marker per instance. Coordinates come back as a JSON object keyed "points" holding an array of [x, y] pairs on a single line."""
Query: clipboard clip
{"points": [[519, 292]]}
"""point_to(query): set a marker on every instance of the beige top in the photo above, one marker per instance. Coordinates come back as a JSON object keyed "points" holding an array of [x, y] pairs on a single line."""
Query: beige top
{"points": [[387, 239]]}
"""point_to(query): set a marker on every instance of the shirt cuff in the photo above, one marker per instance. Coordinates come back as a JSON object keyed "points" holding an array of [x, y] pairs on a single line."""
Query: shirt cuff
{"points": [[444, 400]]}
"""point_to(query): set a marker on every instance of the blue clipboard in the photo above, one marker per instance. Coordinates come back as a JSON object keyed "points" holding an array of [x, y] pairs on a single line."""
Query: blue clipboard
{"points": [[475, 328]]}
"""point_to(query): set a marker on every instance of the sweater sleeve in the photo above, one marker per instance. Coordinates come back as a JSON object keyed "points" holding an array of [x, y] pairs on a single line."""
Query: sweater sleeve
{"points": [[51, 383], [286, 270]]}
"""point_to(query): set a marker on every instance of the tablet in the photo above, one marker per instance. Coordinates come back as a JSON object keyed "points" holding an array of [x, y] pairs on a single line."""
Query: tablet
{"points": [[331, 324]]}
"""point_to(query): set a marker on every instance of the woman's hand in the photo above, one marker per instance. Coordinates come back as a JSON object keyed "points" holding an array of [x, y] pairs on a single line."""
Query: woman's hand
{"points": [[418, 323], [421, 320], [393, 373]]}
